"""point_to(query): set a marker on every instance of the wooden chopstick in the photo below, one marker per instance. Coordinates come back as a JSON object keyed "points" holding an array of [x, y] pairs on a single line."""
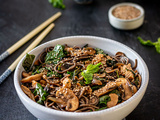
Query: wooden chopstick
{"points": [[26, 38], [30, 47]]}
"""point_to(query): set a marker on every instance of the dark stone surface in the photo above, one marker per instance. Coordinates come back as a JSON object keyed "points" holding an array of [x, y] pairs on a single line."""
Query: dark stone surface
{"points": [[19, 17]]}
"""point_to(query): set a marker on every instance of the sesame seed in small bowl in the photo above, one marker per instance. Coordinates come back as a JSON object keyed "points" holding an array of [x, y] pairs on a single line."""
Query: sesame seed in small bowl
{"points": [[126, 16]]}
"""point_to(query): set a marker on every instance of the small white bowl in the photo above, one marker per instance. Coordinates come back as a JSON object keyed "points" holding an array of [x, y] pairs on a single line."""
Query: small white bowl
{"points": [[117, 112], [126, 24]]}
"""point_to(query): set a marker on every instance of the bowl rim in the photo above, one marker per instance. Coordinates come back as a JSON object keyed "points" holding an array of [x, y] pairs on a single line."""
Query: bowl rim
{"points": [[74, 114], [126, 3]]}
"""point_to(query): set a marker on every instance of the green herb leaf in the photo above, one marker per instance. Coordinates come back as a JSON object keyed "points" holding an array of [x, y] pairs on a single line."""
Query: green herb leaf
{"points": [[42, 93], [37, 69], [48, 68], [75, 73], [93, 68], [136, 81], [85, 46], [87, 76], [110, 62], [36, 72], [70, 73], [81, 82], [102, 108], [96, 87], [55, 55], [27, 63], [143, 42], [99, 51], [88, 73], [157, 45], [149, 43], [49, 74], [104, 99], [59, 66], [117, 74], [57, 3]]}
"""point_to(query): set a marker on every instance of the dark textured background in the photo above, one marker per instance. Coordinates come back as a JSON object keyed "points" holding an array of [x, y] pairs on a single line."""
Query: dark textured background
{"points": [[18, 17]]}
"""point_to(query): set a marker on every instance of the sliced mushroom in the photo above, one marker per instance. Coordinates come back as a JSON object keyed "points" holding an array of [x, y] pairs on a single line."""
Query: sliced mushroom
{"points": [[114, 100], [107, 88], [96, 82], [43, 82], [58, 100], [71, 98], [124, 68], [32, 77], [34, 83], [27, 92], [134, 89], [121, 57], [36, 62], [65, 75], [24, 74], [129, 75], [125, 87], [66, 83]]}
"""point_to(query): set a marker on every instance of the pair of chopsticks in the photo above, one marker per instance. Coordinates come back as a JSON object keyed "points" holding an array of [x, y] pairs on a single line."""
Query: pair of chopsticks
{"points": [[26, 38]]}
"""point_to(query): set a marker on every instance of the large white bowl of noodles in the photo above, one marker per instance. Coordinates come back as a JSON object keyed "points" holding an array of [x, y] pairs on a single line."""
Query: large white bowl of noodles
{"points": [[117, 112]]}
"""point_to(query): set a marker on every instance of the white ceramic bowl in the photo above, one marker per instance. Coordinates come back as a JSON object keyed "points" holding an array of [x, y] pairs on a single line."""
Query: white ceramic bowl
{"points": [[115, 113], [126, 24]]}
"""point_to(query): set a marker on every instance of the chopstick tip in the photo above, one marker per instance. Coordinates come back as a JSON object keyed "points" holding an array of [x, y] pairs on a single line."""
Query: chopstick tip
{"points": [[59, 13], [52, 24]]}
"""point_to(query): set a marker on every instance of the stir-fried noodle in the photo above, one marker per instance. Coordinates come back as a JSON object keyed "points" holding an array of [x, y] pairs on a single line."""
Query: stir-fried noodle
{"points": [[80, 79]]}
